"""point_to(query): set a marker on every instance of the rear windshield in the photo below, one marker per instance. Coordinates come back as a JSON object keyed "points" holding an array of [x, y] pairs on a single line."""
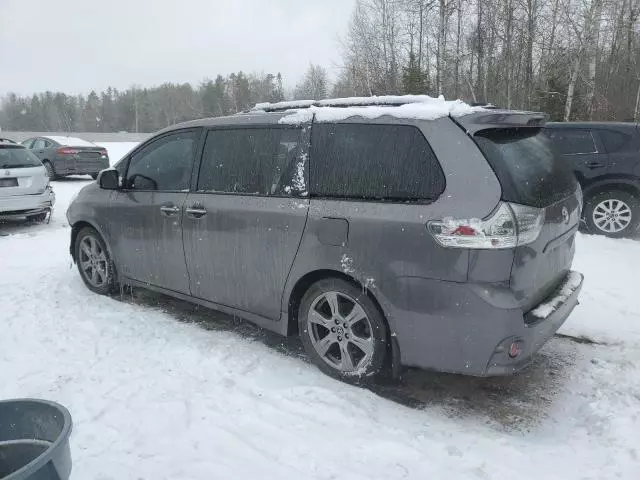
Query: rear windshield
{"points": [[526, 166], [17, 157]]}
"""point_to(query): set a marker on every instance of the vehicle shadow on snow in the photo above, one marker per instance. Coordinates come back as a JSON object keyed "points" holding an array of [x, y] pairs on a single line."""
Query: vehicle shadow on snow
{"points": [[515, 403]]}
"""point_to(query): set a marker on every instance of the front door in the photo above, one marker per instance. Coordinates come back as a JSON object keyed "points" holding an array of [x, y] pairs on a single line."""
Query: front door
{"points": [[243, 225], [146, 215]]}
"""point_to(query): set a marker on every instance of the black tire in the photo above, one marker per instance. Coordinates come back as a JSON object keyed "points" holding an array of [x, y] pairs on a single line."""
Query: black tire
{"points": [[365, 367], [50, 171], [106, 266], [94, 176], [40, 217], [628, 203]]}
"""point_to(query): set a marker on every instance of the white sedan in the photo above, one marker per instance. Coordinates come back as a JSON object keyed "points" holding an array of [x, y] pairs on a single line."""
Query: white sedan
{"points": [[24, 184]]}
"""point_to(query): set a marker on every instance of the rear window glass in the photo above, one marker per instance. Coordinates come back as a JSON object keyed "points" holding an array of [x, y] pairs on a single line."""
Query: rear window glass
{"points": [[572, 141], [18, 157], [526, 166], [373, 162], [614, 141]]}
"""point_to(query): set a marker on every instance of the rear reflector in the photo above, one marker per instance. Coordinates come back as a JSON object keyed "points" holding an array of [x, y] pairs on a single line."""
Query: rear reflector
{"points": [[508, 226], [66, 151], [514, 349]]}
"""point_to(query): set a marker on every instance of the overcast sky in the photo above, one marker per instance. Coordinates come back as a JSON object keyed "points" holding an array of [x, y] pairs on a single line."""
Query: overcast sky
{"points": [[78, 45]]}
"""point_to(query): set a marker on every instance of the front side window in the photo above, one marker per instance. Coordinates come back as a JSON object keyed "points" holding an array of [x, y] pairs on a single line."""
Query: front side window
{"points": [[27, 143], [572, 141], [253, 161], [373, 162], [164, 164]]}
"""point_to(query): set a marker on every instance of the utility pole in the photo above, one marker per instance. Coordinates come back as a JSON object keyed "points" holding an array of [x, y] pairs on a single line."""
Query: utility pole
{"points": [[135, 106]]}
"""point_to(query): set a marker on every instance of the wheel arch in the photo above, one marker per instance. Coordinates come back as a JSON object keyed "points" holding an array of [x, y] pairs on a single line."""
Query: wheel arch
{"points": [[627, 185], [75, 229], [303, 284]]}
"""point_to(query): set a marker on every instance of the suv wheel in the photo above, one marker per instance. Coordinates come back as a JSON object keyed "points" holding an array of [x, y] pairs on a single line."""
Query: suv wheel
{"points": [[94, 263], [615, 214], [342, 330]]}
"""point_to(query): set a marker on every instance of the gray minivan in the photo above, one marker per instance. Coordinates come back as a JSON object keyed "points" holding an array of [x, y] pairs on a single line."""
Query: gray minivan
{"points": [[385, 232]]}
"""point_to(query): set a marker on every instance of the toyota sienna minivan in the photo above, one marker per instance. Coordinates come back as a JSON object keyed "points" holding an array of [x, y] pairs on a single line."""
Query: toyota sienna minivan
{"points": [[385, 231]]}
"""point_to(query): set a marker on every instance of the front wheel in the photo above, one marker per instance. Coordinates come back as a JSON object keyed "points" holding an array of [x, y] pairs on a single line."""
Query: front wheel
{"points": [[94, 262], [614, 214], [342, 330]]}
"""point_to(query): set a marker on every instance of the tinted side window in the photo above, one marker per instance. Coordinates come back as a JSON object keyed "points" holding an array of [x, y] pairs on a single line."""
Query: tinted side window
{"points": [[164, 164], [373, 162], [572, 141], [38, 144], [613, 140], [27, 143], [253, 161]]}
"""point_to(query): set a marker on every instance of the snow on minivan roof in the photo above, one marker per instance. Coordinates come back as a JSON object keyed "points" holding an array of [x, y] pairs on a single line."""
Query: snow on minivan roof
{"points": [[70, 141], [420, 107]]}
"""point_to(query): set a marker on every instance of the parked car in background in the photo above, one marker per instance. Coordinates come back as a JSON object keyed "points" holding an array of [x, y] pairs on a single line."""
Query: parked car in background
{"points": [[24, 184], [63, 156], [7, 140], [378, 234], [605, 157]]}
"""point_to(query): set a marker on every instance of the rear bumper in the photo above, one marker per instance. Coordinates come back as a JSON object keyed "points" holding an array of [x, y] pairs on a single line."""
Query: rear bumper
{"points": [[468, 328], [72, 166], [23, 205]]}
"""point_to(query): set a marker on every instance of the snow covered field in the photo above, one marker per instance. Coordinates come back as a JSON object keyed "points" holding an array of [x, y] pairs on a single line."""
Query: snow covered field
{"points": [[159, 389]]}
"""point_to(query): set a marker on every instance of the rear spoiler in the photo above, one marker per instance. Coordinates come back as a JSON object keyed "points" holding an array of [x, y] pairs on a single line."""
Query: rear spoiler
{"points": [[474, 122]]}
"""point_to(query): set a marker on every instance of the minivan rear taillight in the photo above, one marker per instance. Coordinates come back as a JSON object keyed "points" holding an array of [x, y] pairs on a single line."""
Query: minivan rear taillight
{"points": [[508, 226]]}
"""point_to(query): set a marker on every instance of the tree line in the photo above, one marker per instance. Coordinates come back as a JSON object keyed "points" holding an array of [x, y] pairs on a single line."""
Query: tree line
{"points": [[574, 59]]}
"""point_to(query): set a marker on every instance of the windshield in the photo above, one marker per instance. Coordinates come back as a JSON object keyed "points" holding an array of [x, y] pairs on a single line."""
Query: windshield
{"points": [[17, 157], [524, 161]]}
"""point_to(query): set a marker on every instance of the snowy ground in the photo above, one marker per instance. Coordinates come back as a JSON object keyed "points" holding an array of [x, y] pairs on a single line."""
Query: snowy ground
{"points": [[159, 389]]}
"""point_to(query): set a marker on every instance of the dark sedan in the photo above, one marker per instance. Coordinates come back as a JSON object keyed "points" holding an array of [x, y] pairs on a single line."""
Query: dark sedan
{"points": [[63, 156]]}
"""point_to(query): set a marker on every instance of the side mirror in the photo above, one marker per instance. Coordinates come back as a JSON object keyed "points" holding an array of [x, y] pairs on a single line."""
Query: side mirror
{"points": [[109, 179]]}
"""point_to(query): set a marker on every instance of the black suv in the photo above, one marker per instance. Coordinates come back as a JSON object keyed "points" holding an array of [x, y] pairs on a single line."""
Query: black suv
{"points": [[605, 157]]}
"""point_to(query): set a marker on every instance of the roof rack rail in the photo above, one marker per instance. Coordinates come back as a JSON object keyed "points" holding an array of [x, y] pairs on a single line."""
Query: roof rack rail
{"points": [[380, 101]]}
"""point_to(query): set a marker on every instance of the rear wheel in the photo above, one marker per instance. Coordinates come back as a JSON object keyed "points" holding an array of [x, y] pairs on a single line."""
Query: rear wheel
{"points": [[94, 262], [50, 171], [40, 217], [614, 214], [342, 330]]}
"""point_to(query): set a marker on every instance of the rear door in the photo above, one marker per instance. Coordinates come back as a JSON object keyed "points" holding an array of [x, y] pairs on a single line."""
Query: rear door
{"points": [[145, 217], [243, 225], [531, 174], [582, 150]]}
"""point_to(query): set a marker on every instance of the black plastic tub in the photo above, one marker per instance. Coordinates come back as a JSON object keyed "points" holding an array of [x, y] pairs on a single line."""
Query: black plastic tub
{"points": [[34, 440]]}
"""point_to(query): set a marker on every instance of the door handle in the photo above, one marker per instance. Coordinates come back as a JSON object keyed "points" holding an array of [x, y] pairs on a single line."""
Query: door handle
{"points": [[196, 212], [169, 210], [595, 164]]}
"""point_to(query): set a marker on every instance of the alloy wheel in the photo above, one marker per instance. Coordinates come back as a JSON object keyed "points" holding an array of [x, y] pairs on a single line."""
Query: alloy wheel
{"points": [[612, 215], [340, 332], [93, 261]]}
